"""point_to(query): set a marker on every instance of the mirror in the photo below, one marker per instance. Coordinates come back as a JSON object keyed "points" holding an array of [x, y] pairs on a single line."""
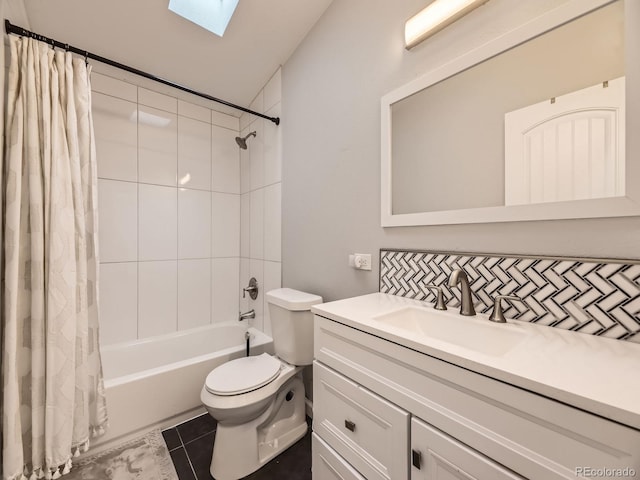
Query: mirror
{"points": [[527, 127]]}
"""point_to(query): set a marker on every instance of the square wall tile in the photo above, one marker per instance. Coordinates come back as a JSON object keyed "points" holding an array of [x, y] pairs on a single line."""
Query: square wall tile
{"points": [[272, 222], [158, 223], [256, 155], [194, 224], [194, 293], [272, 148], [272, 93], [157, 100], [225, 225], [118, 214], [157, 146], [157, 298], [194, 154], [113, 87], [256, 224], [245, 224], [272, 280], [225, 160], [224, 289], [118, 302], [116, 135]]}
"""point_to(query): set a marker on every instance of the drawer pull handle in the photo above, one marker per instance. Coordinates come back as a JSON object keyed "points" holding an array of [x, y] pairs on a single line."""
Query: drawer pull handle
{"points": [[349, 425], [416, 458]]}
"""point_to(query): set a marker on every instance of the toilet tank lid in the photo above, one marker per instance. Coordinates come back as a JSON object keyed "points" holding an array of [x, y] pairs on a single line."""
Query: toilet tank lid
{"points": [[291, 299]]}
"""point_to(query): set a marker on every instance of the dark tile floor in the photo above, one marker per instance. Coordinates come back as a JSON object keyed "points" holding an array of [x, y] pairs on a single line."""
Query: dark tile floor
{"points": [[190, 445]]}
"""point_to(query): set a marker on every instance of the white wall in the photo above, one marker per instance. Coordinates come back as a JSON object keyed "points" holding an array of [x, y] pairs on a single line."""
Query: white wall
{"points": [[261, 186], [169, 212], [331, 93]]}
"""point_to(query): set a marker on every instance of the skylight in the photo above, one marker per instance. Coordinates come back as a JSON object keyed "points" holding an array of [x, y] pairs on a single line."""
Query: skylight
{"points": [[214, 15]]}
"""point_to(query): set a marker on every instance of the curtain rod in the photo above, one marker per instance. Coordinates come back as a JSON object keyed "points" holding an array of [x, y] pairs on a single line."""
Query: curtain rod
{"points": [[10, 28]]}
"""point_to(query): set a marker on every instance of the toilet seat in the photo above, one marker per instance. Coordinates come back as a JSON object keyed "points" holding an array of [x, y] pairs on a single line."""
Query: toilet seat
{"points": [[243, 375]]}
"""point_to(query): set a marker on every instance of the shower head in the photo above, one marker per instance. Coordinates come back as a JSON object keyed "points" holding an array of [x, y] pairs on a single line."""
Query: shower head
{"points": [[242, 141]]}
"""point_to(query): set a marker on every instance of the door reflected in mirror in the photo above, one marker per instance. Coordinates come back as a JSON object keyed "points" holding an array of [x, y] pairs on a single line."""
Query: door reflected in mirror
{"points": [[567, 148]]}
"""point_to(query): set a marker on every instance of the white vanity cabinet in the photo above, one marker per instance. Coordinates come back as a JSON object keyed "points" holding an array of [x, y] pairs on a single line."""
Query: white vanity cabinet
{"points": [[377, 401]]}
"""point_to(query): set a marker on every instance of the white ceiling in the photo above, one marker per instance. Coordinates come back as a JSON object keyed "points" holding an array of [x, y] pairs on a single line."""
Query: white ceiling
{"points": [[146, 35]]}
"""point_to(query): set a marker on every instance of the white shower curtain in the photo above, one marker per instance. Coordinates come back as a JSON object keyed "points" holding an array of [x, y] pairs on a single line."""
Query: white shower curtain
{"points": [[53, 394]]}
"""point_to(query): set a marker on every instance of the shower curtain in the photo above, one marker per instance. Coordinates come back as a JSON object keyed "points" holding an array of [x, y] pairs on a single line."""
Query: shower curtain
{"points": [[53, 395]]}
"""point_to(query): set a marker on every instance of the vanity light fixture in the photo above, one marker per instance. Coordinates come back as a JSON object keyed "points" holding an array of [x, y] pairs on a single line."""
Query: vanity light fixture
{"points": [[435, 17]]}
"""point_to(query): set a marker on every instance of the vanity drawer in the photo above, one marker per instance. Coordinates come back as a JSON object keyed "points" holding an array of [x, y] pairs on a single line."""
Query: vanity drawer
{"points": [[328, 465], [369, 432]]}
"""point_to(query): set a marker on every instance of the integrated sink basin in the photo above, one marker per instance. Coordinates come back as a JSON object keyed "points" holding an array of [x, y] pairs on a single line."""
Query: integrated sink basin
{"points": [[474, 333]]}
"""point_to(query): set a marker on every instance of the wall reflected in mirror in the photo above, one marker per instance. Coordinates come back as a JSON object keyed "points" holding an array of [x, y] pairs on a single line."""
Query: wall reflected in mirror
{"points": [[511, 130]]}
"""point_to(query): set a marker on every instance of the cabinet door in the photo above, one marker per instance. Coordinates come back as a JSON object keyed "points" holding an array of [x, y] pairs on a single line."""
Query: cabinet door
{"points": [[437, 456]]}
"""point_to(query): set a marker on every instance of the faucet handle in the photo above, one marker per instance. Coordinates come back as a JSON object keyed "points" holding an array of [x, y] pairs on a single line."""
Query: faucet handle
{"points": [[440, 304], [252, 289], [497, 315]]}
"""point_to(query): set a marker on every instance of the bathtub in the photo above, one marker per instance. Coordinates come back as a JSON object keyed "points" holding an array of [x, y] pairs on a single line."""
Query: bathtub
{"points": [[156, 382]]}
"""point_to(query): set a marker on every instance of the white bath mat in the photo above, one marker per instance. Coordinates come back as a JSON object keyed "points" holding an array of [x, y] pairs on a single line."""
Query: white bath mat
{"points": [[145, 458]]}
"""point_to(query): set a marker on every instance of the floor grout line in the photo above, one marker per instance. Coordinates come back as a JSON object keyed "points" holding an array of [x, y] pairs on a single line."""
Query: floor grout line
{"points": [[199, 437], [180, 437], [184, 446], [190, 464], [186, 454]]}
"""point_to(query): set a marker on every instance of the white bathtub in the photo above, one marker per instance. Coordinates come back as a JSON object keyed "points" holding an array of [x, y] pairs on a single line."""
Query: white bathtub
{"points": [[156, 382]]}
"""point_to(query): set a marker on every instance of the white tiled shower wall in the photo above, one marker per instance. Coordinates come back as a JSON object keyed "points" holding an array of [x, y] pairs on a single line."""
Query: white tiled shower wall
{"points": [[260, 187], [169, 212]]}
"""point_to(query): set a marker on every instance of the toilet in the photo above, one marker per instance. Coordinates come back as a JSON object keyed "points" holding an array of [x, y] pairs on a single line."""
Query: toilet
{"points": [[259, 401]]}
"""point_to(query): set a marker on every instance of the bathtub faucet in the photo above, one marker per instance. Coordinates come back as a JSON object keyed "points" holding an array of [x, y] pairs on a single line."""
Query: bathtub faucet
{"points": [[250, 314]]}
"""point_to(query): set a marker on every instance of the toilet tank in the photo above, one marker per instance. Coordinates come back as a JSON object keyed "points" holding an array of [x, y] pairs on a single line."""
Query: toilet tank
{"points": [[292, 324]]}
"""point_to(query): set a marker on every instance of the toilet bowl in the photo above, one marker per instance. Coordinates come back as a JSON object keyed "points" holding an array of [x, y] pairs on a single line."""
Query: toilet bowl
{"points": [[259, 401]]}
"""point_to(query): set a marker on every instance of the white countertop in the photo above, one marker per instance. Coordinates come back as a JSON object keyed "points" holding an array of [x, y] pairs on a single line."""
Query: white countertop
{"points": [[599, 375]]}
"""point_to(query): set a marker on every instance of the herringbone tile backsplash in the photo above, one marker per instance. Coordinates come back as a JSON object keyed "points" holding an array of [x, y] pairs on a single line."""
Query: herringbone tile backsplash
{"points": [[583, 295]]}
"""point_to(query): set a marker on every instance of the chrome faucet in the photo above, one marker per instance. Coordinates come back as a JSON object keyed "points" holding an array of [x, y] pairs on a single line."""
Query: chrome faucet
{"points": [[244, 316], [466, 301]]}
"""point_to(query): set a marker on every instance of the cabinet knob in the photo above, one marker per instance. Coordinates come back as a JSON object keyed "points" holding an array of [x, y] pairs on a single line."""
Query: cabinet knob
{"points": [[349, 425], [416, 458]]}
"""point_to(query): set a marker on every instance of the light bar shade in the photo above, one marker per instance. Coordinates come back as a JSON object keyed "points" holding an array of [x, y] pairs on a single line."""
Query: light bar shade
{"points": [[435, 17]]}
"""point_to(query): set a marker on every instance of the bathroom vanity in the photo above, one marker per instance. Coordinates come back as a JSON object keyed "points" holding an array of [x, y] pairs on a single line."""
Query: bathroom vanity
{"points": [[404, 391]]}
